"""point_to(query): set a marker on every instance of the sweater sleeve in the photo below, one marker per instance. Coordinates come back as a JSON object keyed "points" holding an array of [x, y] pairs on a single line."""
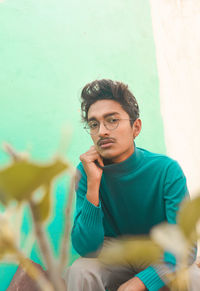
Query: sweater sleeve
{"points": [[174, 192], [87, 231]]}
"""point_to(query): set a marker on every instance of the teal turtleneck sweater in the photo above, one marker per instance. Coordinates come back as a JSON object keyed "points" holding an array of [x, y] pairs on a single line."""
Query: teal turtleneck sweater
{"points": [[136, 194]]}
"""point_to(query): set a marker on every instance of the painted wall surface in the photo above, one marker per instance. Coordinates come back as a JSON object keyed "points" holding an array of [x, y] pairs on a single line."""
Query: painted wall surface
{"points": [[176, 31], [48, 51]]}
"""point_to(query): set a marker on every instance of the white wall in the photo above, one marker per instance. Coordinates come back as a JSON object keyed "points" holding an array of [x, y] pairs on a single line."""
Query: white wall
{"points": [[176, 26]]}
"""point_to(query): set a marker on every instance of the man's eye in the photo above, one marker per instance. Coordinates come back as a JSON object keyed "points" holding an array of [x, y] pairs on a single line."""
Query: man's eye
{"points": [[93, 125], [112, 120]]}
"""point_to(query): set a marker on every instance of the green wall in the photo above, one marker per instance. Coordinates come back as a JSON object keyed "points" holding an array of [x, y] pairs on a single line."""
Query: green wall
{"points": [[48, 51]]}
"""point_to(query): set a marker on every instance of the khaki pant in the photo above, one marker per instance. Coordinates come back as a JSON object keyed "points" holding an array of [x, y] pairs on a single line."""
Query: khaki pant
{"points": [[88, 274]]}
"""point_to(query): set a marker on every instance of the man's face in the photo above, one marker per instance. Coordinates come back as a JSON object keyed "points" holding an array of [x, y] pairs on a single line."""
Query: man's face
{"points": [[115, 145]]}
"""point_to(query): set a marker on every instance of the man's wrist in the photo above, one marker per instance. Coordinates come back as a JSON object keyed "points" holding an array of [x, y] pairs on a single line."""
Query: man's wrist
{"points": [[93, 200], [93, 184], [93, 193], [134, 284]]}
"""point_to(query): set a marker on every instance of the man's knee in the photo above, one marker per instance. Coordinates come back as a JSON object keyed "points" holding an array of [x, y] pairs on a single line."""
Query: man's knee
{"points": [[84, 274], [84, 266]]}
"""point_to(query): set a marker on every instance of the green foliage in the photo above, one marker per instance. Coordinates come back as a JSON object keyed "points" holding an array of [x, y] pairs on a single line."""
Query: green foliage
{"points": [[43, 207], [22, 178], [188, 218], [19, 183], [138, 250], [170, 238]]}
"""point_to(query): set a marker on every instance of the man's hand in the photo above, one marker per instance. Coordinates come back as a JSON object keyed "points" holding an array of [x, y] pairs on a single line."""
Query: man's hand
{"points": [[93, 172], [89, 160], [134, 284]]}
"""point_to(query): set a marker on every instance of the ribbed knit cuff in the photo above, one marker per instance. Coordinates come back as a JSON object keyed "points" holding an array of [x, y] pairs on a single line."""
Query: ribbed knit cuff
{"points": [[91, 215], [150, 279]]}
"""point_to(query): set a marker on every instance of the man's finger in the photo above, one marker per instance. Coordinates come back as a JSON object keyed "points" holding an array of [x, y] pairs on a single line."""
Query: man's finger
{"points": [[100, 161]]}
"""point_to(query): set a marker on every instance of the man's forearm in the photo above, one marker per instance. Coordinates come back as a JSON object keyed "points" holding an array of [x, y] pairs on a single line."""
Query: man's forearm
{"points": [[88, 232], [93, 193]]}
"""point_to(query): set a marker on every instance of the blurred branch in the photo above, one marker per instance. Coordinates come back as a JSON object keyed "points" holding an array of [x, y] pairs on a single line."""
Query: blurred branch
{"points": [[65, 247], [8, 246], [46, 252], [13, 153], [28, 177], [33, 272]]}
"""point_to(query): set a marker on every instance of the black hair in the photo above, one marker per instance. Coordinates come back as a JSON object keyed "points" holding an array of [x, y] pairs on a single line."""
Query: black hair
{"points": [[110, 90]]}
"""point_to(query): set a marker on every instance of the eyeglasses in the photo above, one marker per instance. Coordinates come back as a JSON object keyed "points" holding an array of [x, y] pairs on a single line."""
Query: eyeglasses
{"points": [[110, 123]]}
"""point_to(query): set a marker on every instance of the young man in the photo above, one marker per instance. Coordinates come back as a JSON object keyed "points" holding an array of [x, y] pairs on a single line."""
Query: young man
{"points": [[122, 190]]}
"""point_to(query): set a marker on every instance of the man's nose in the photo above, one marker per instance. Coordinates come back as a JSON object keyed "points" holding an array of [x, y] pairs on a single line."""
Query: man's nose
{"points": [[102, 129]]}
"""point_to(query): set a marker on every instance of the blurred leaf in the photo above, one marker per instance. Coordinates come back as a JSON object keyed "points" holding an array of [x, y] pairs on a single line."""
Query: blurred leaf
{"points": [[170, 238], [140, 251], [188, 216], [20, 179], [42, 208], [179, 281]]}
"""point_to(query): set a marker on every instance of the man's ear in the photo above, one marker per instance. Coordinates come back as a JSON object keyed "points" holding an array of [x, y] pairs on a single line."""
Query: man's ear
{"points": [[137, 126]]}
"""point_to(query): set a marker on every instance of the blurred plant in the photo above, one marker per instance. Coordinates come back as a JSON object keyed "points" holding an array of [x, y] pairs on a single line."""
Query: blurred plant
{"points": [[177, 239], [20, 183]]}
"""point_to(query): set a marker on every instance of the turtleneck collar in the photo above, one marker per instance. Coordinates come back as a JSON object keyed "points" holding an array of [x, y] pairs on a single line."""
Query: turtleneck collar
{"points": [[128, 165]]}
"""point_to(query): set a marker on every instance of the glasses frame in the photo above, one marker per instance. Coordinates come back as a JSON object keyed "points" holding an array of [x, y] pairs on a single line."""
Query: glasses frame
{"points": [[104, 123]]}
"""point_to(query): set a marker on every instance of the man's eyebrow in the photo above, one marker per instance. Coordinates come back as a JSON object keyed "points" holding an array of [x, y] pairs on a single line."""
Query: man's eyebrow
{"points": [[105, 115]]}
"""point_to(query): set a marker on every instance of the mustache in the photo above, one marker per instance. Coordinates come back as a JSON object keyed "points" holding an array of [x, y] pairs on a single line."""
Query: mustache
{"points": [[105, 139]]}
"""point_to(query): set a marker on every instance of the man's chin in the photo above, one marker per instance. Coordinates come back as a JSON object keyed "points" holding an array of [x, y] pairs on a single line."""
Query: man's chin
{"points": [[107, 158], [107, 154]]}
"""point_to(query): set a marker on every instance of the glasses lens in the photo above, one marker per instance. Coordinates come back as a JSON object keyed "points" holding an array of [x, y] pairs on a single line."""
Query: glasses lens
{"points": [[111, 123], [92, 127]]}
